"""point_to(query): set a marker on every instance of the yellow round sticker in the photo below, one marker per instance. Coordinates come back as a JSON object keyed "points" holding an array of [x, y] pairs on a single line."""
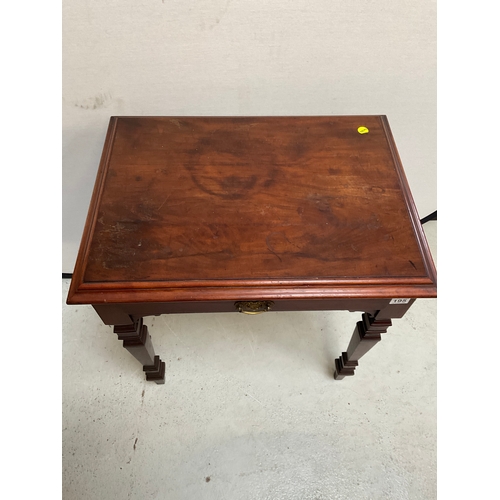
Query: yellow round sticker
{"points": [[363, 130]]}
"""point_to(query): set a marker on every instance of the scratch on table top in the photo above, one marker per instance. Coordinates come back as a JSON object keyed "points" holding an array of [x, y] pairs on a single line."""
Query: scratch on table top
{"points": [[165, 201], [270, 247]]}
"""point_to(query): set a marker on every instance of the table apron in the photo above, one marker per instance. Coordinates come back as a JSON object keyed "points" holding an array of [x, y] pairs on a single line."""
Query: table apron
{"points": [[119, 314]]}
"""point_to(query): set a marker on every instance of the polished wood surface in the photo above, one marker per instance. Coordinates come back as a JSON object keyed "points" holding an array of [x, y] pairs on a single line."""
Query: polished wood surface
{"points": [[207, 209]]}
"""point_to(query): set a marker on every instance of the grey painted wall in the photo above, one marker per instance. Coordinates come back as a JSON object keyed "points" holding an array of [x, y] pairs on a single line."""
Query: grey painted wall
{"points": [[237, 57]]}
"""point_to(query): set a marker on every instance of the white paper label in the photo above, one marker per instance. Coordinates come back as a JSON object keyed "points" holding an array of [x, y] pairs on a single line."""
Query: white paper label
{"points": [[399, 301]]}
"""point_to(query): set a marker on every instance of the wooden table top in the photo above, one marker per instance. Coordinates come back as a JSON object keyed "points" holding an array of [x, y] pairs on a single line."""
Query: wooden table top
{"points": [[212, 208]]}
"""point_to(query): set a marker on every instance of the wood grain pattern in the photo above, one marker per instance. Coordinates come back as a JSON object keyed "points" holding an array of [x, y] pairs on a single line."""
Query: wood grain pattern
{"points": [[204, 208]]}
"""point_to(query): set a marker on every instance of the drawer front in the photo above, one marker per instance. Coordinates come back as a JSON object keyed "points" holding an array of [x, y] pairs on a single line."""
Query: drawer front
{"points": [[114, 314]]}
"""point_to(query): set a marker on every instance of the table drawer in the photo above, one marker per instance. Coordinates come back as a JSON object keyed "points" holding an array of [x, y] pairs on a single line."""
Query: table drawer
{"points": [[115, 314]]}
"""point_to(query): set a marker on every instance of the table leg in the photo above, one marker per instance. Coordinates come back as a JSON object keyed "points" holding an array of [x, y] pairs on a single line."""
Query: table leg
{"points": [[137, 341], [365, 336]]}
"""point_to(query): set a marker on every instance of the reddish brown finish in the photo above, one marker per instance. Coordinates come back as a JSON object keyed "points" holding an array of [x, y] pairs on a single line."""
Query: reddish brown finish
{"points": [[117, 314], [193, 214], [250, 208], [137, 341], [366, 335]]}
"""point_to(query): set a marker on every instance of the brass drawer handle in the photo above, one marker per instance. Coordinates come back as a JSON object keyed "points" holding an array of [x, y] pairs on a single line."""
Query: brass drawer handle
{"points": [[254, 307]]}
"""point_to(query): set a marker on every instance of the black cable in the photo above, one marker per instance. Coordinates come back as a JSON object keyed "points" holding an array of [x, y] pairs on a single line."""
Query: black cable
{"points": [[433, 216]]}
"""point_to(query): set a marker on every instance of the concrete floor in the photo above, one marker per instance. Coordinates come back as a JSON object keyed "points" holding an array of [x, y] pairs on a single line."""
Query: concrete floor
{"points": [[250, 409]]}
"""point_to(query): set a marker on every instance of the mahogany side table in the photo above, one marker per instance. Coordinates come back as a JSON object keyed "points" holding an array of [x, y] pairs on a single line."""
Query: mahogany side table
{"points": [[251, 214]]}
